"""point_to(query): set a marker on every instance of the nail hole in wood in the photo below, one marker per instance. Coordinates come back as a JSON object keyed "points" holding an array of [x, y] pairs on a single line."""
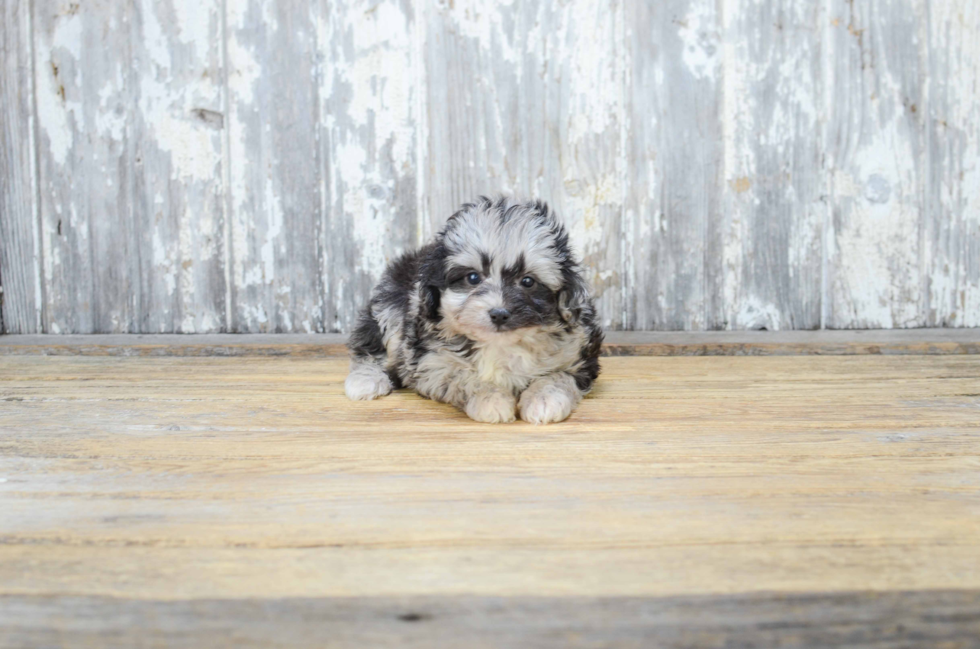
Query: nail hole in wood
{"points": [[414, 617]]}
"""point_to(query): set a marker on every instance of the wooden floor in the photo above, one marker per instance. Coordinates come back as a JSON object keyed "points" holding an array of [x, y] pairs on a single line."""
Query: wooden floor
{"points": [[689, 502]]}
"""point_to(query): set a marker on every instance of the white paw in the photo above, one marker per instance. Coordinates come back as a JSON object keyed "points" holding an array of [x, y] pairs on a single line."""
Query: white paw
{"points": [[549, 400], [491, 407], [366, 381]]}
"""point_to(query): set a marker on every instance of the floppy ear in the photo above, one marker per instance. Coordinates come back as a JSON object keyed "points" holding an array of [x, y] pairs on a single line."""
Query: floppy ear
{"points": [[432, 280], [573, 299]]}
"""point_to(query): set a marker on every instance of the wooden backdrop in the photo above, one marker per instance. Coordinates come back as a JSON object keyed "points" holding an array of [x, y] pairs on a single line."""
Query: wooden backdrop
{"points": [[235, 165]]}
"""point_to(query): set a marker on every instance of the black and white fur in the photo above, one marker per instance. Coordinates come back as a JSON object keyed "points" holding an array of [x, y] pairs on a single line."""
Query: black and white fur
{"points": [[492, 317]]}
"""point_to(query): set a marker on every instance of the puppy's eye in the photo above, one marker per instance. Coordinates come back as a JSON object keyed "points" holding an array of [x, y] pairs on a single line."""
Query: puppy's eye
{"points": [[473, 278], [527, 282]]}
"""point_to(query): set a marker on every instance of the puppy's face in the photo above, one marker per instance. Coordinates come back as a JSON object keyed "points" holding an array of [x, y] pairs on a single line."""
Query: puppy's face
{"points": [[502, 270]]}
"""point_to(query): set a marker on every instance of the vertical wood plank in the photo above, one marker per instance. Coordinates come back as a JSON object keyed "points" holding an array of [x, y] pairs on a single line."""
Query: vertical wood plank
{"points": [[574, 87], [84, 85], [368, 91], [528, 99], [674, 147], [274, 172], [773, 214], [875, 154], [20, 300], [474, 77], [178, 127], [688, 157], [953, 204]]}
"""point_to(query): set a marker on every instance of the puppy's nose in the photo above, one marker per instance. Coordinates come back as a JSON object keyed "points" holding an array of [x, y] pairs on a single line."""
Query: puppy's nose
{"points": [[499, 316]]}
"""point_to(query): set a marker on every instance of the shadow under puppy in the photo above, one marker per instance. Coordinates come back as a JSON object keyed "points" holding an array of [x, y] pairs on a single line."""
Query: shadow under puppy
{"points": [[493, 317]]}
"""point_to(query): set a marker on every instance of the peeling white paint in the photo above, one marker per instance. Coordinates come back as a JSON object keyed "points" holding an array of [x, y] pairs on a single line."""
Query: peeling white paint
{"points": [[68, 34], [583, 209], [773, 219], [112, 117], [589, 48], [698, 32], [481, 21], [168, 107], [423, 219], [52, 107], [274, 222], [193, 27], [546, 112], [243, 71], [876, 273], [380, 78], [953, 237], [370, 100], [739, 162], [163, 262], [369, 228], [754, 313]]}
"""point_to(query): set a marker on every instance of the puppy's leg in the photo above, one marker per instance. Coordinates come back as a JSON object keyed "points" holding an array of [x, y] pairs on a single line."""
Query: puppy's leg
{"points": [[491, 405], [368, 378], [444, 377], [549, 399]]}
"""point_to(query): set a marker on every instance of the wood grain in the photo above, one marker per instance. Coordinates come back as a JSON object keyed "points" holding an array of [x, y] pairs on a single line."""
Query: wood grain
{"points": [[770, 489], [875, 157], [872, 620], [275, 182], [367, 118], [952, 237], [87, 156], [528, 99], [889, 342], [20, 300], [178, 201], [242, 167], [474, 62], [772, 222], [672, 266], [576, 150]]}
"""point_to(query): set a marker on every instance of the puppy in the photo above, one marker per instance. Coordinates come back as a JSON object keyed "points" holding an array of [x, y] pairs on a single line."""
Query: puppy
{"points": [[492, 317]]}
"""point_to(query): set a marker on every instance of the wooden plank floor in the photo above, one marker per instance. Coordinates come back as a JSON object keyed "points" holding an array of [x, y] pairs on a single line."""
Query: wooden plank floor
{"points": [[689, 502], [824, 342]]}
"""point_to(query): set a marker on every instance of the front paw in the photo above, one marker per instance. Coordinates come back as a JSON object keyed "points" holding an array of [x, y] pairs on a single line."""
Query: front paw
{"points": [[549, 400], [493, 407], [367, 381]]}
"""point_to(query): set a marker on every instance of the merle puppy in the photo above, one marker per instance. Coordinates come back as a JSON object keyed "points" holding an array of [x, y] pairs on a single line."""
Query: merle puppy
{"points": [[492, 317]]}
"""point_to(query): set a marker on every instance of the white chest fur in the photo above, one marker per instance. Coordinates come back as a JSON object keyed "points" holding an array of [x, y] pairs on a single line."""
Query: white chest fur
{"points": [[513, 362]]}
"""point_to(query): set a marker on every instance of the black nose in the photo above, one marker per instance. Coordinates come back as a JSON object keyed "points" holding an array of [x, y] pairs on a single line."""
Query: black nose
{"points": [[499, 316]]}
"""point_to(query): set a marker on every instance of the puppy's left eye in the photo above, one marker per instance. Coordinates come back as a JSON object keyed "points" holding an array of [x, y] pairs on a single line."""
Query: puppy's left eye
{"points": [[527, 282], [473, 278]]}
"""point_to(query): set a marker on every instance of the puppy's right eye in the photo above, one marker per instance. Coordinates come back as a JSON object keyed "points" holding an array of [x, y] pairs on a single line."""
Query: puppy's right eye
{"points": [[473, 278]]}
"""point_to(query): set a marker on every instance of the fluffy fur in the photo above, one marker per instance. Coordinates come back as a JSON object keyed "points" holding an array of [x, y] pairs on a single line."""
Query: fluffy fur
{"points": [[493, 317]]}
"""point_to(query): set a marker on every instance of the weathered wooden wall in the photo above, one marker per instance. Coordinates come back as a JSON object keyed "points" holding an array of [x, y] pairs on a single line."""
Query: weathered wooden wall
{"points": [[247, 165]]}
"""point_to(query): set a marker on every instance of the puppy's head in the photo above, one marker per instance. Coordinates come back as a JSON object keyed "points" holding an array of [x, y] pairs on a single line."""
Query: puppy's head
{"points": [[499, 269]]}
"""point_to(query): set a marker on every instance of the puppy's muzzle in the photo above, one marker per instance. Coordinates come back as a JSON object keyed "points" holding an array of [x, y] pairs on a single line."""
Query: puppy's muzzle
{"points": [[499, 317]]}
